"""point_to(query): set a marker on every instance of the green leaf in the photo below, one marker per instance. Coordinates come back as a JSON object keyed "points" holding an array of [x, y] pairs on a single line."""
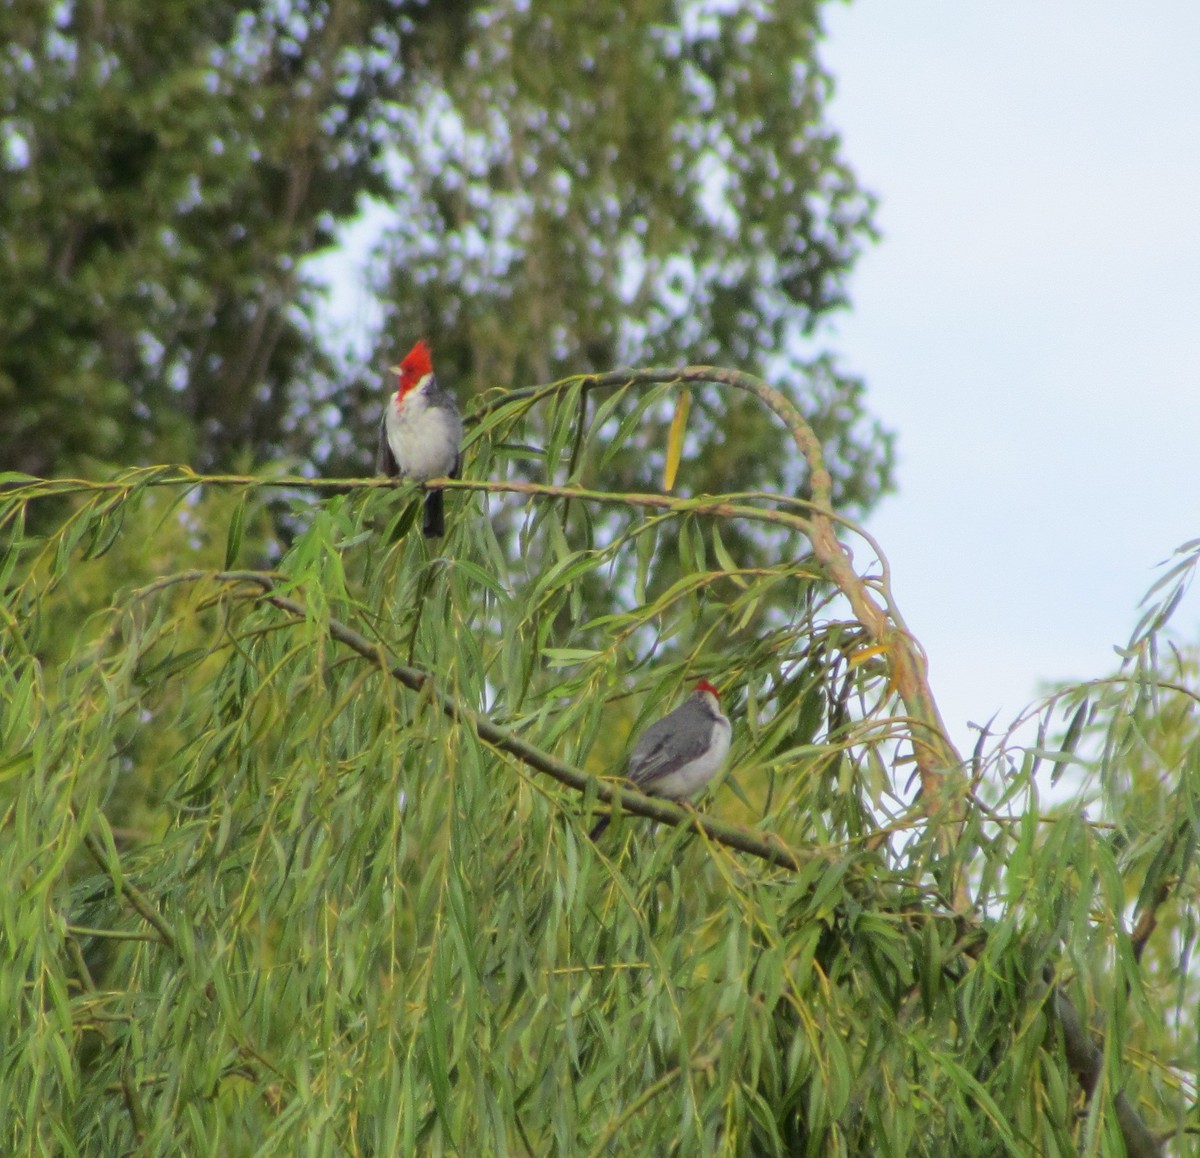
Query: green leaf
{"points": [[233, 540]]}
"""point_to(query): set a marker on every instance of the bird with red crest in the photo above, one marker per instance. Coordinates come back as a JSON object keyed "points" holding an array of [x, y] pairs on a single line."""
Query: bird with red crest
{"points": [[677, 756], [421, 432]]}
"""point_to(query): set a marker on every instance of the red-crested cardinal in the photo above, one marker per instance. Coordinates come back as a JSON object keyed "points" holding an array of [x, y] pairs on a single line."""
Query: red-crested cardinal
{"points": [[420, 433], [677, 756]]}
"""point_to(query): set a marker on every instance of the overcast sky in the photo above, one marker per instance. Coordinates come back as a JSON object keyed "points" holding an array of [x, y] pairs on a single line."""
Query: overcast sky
{"points": [[1029, 323]]}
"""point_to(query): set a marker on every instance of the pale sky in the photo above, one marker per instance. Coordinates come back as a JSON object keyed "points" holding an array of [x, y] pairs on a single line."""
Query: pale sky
{"points": [[1029, 324]]}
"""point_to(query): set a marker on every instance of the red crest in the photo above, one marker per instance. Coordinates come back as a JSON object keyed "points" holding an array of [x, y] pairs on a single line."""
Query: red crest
{"points": [[416, 365], [705, 686]]}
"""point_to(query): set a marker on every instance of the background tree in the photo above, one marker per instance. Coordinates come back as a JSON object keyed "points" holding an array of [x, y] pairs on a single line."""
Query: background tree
{"points": [[572, 186], [370, 919], [165, 175]]}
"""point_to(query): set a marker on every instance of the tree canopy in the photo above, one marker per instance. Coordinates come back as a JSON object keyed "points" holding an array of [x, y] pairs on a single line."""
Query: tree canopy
{"points": [[300, 859], [293, 804]]}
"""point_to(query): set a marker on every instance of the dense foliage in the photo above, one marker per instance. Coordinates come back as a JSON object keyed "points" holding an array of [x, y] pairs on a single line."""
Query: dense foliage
{"points": [[298, 858]]}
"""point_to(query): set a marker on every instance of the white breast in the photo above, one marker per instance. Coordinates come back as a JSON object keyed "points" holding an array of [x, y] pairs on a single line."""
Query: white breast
{"points": [[424, 439]]}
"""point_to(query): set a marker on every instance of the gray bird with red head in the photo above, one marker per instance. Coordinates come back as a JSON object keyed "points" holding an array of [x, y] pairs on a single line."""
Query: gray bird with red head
{"points": [[420, 434], [677, 756]]}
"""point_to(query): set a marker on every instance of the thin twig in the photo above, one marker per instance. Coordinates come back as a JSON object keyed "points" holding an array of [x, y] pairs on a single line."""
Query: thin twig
{"points": [[129, 1088], [135, 896]]}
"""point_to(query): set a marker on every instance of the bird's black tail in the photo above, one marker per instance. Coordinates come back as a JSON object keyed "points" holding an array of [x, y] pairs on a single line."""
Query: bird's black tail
{"points": [[598, 831], [434, 526]]}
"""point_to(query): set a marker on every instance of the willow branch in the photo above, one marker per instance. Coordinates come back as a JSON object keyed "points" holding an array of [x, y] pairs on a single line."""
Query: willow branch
{"points": [[771, 849], [802, 434], [1086, 1060], [727, 506], [1147, 920], [146, 909]]}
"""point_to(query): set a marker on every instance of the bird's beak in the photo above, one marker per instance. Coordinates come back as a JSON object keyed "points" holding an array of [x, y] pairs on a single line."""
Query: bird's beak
{"points": [[393, 369]]}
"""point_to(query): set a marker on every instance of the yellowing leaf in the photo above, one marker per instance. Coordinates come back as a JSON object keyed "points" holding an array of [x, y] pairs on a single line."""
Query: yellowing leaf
{"points": [[675, 438], [865, 653]]}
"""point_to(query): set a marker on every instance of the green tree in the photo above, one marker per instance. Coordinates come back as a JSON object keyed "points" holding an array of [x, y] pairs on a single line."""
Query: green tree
{"points": [[166, 170], [572, 186], [370, 920]]}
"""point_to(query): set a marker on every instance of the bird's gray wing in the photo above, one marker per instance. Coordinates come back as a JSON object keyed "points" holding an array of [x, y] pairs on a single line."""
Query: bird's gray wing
{"points": [[385, 461], [677, 738]]}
